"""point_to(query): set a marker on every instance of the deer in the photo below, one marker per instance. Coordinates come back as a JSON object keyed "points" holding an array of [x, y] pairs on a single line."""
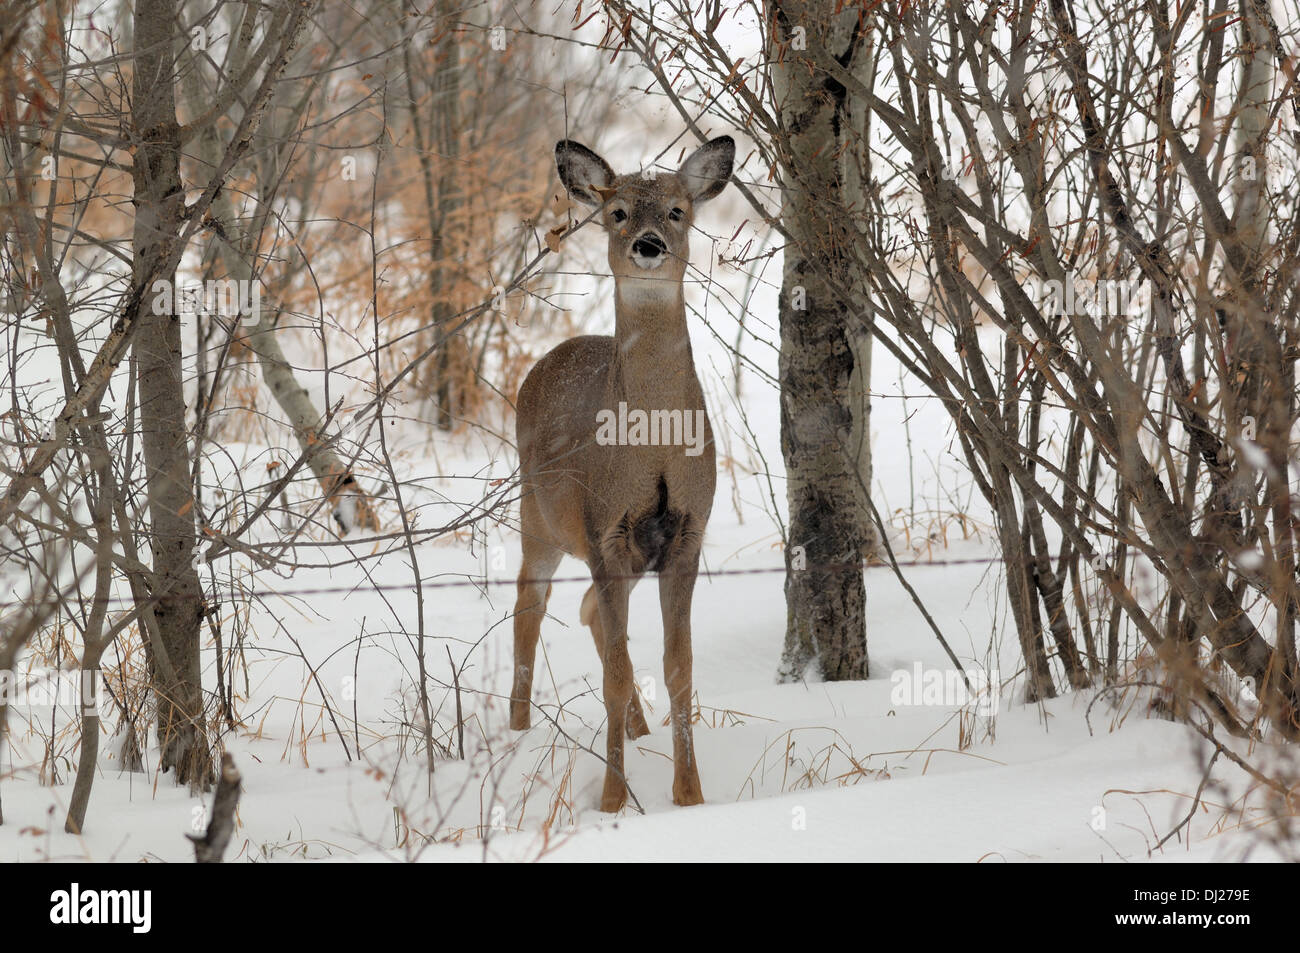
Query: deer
{"points": [[625, 507]]}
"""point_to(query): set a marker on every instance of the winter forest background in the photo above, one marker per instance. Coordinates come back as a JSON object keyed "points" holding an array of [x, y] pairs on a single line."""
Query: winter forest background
{"points": [[997, 328]]}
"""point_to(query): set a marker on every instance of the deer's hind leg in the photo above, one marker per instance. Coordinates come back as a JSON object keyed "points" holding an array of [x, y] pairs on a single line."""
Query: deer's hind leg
{"points": [[541, 557], [636, 723]]}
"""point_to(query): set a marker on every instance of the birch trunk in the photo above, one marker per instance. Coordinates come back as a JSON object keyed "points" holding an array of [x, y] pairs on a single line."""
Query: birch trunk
{"points": [[821, 382]]}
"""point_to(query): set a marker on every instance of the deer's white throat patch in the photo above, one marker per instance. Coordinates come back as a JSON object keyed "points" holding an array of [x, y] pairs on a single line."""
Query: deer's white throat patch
{"points": [[642, 291]]}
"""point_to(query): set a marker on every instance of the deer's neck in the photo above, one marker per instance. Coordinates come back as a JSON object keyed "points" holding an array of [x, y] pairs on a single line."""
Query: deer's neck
{"points": [[653, 366]]}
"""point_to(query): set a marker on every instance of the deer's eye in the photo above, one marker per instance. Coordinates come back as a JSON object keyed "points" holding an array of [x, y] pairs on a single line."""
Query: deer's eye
{"points": [[676, 214], [618, 215]]}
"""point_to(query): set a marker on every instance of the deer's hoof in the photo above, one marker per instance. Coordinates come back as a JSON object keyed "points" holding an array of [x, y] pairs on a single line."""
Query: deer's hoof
{"points": [[519, 717], [636, 726], [688, 793], [613, 798]]}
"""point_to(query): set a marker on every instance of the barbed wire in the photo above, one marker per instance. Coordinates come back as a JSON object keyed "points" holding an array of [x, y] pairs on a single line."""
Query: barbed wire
{"points": [[485, 582]]}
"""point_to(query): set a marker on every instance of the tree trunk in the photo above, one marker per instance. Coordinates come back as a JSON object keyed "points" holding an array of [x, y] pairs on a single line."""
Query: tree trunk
{"points": [[446, 112], [159, 210], [855, 163], [825, 594], [442, 195]]}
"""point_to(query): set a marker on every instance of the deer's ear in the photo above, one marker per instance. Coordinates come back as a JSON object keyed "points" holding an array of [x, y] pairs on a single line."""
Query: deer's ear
{"points": [[581, 171], [708, 169]]}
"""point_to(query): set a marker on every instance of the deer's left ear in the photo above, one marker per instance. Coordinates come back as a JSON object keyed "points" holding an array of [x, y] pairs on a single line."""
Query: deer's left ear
{"points": [[708, 169]]}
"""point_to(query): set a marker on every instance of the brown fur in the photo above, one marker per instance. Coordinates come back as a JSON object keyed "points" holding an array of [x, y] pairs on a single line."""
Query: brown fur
{"points": [[624, 510]]}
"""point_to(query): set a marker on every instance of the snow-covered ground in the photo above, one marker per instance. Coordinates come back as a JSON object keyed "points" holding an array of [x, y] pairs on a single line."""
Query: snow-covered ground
{"points": [[790, 772], [888, 769]]}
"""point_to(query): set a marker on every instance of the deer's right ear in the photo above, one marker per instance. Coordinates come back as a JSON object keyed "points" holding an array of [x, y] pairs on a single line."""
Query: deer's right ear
{"points": [[580, 169]]}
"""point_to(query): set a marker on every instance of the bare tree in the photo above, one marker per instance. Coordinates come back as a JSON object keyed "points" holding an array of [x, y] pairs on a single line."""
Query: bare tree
{"points": [[235, 237], [159, 212]]}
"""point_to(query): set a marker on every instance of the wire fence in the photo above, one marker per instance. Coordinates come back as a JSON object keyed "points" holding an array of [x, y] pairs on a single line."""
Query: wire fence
{"points": [[484, 582]]}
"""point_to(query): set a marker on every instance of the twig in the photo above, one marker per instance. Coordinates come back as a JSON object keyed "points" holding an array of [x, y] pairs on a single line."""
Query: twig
{"points": [[211, 847], [1196, 801]]}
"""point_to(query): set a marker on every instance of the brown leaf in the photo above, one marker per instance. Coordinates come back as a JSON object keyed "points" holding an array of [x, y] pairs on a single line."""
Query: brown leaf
{"points": [[553, 238], [605, 193]]}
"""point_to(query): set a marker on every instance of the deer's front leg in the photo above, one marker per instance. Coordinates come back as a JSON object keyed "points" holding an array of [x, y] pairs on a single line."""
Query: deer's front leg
{"points": [[612, 589], [676, 585]]}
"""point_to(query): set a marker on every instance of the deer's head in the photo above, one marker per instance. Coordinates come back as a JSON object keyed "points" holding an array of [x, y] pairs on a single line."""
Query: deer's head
{"points": [[648, 218]]}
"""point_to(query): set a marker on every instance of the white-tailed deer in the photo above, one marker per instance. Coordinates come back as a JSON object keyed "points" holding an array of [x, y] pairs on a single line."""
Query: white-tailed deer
{"points": [[621, 498]]}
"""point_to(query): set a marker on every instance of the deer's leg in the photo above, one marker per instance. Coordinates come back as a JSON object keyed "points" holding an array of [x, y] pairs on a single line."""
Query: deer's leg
{"points": [[534, 589], [676, 585], [636, 724], [612, 590]]}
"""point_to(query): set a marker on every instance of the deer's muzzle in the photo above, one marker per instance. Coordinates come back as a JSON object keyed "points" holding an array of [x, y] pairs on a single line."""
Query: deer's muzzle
{"points": [[649, 250]]}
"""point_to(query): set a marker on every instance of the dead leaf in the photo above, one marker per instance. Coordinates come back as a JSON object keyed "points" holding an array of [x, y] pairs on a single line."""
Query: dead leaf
{"points": [[553, 238]]}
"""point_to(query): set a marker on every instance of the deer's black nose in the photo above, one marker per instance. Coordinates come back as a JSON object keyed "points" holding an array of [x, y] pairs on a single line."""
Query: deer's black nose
{"points": [[649, 245]]}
